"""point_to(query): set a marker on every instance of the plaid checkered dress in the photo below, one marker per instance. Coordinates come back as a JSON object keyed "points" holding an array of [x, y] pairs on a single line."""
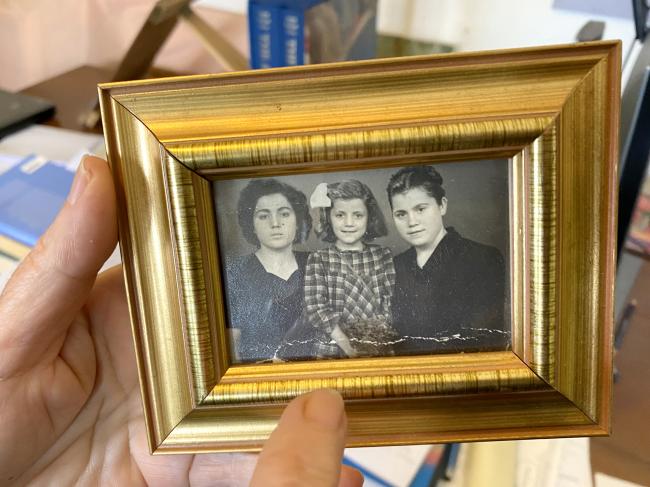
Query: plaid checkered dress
{"points": [[345, 287]]}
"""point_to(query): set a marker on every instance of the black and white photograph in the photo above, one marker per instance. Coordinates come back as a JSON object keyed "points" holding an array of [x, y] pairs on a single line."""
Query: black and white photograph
{"points": [[410, 260]]}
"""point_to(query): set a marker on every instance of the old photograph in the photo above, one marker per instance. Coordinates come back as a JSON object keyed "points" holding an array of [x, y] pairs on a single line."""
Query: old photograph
{"points": [[405, 260]]}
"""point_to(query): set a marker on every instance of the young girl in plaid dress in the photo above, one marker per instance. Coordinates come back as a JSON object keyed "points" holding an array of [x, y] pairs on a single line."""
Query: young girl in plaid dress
{"points": [[349, 285]]}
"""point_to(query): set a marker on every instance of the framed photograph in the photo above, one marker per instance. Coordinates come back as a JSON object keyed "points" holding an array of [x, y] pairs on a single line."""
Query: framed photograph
{"points": [[434, 237], [358, 270]]}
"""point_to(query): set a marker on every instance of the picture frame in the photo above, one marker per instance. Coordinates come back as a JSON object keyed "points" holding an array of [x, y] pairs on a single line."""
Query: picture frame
{"points": [[552, 112]]}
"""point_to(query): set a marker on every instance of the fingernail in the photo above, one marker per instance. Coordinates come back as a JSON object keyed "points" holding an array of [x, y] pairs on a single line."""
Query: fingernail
{"points": [[80, 182], [326, 408]]}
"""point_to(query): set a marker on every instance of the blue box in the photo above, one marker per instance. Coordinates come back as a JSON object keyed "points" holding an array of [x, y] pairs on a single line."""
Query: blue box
{"points": [[291, 33]]}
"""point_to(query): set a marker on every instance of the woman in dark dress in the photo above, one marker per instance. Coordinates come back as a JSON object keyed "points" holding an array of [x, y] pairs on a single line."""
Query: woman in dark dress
{"points": [[265, 289], [449, 290]]}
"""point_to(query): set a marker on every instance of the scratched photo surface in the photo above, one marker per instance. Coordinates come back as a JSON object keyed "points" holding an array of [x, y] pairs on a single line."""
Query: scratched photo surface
{"points": [[405, 260]]}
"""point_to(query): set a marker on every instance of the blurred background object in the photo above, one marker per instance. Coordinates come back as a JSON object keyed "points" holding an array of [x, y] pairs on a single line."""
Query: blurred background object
{"points": [[634, 197], [40, 39], [638, 238], [296, 32]]}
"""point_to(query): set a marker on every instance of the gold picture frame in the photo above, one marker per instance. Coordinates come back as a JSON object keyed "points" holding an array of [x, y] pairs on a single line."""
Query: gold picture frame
{"points": [[552, 111]]}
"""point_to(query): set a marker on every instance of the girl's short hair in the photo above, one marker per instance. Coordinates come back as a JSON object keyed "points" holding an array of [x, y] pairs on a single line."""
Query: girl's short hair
{"points": [[348, 190], [256, 189], [425, 177]]}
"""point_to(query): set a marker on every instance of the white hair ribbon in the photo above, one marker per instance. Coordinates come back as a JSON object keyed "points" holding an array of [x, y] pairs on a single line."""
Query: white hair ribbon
{"points": [[319, 198]]}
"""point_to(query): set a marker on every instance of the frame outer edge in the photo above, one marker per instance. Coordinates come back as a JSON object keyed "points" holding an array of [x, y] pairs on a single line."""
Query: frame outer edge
{"points": [[164, 372], [149, 269], [605, 385], [587, 240]]}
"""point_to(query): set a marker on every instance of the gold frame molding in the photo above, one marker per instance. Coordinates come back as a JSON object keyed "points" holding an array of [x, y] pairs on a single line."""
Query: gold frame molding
{"points": [[553, 111]]}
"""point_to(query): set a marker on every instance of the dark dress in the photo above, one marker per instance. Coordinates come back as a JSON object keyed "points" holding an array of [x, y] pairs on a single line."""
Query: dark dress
{"points": [[455, 302], [262, 305]]}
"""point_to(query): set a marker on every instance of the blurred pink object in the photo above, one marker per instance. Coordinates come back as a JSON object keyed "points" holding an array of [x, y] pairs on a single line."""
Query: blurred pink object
{"points": [[40, 39]]}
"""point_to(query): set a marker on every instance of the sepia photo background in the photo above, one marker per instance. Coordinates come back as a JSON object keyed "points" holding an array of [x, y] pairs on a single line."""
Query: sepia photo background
{"points": [[477, 207]]}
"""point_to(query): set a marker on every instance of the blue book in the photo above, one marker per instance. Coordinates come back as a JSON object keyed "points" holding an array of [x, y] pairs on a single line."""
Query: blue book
{"points": [[32, 191], [265, 32], [297, 32], [293, 28]]}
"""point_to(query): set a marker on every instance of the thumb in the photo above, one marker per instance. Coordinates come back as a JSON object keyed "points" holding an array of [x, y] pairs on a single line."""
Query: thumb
{"points": [[52, 283], [307, 446]]}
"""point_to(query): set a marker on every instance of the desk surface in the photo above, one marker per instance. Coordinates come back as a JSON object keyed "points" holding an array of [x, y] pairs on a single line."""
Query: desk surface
{"points": [[73, 93]]}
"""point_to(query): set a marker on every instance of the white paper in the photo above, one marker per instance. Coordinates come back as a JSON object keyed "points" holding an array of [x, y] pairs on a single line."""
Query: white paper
{"points": [[554, 463], [604, 480], [7, 267], [8, 162], [52, 143], [114, 259], [396, 465]]}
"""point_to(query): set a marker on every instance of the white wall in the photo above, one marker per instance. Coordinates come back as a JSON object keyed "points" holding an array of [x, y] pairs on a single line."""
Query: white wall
{"points": [[233, 6], [517, 23], [440, 21], [473, 25], [42, 38]]}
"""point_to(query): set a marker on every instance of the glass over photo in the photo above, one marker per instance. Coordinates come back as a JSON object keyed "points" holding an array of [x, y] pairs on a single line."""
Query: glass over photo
{"points": [[412, 260]]}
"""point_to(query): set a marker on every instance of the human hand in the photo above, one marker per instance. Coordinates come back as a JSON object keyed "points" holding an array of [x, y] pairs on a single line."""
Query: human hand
{"points": [[70, 406]]}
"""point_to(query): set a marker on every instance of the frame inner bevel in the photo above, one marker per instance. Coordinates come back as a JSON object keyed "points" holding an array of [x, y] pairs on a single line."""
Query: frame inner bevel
{"points": [[236, 385]]}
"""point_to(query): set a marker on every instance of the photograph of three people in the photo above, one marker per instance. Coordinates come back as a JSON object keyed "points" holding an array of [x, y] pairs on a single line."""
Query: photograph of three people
{"points": [[407, 260]]}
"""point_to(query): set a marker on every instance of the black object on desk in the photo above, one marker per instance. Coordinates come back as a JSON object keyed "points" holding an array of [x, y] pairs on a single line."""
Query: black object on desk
{"points": [[635, 157], [18, 110]]}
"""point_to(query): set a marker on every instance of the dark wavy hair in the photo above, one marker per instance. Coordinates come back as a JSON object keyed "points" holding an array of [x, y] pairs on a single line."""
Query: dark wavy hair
{"points": [[257, 188], [348, 190], [425, 177]]}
